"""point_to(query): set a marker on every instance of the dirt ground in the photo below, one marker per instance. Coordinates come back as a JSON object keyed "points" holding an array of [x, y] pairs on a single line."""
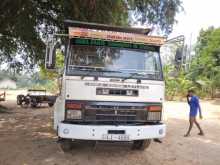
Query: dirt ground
{"points": [[27, 138]]}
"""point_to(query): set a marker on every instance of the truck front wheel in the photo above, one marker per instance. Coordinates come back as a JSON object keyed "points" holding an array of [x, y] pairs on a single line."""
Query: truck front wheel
{"points": [[34, 102], [50, 104], [66, 145], [141, 144]]}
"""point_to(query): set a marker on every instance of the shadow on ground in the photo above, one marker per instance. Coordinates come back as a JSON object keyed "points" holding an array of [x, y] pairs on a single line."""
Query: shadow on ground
{"points": [[216, 101], [4, 109]]}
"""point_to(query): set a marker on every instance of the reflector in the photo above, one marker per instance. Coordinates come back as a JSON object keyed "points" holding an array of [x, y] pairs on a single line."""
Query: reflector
{"points": [[73, 106], [154, 108]]}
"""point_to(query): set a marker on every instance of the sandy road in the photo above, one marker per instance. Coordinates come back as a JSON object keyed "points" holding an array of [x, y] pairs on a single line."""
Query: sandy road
{"points": [[26, 138]]}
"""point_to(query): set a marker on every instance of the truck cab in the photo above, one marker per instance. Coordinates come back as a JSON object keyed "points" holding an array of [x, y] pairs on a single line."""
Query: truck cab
{"points": [[112, 85]]}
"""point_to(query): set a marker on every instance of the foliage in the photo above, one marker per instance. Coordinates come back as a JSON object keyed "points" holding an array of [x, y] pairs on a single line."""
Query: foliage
{"points": [[49, 85], [33, 81], [204, 72], [52, 75], [205, 68], [176, 85], [169, 82], [24, 25], [156, 12]]}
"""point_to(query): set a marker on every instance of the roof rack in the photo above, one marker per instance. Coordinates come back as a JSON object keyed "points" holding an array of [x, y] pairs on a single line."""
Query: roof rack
{"points": [[72, 23]]}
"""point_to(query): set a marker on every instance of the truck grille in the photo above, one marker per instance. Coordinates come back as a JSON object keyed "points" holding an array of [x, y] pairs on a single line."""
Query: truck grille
{"points": [[119, 112], [114, 113]]}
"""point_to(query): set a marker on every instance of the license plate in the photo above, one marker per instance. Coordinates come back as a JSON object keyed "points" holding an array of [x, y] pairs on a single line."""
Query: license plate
{"points": [[115, 137]]}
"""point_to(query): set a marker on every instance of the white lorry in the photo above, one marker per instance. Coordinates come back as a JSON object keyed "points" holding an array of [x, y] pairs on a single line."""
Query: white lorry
{"points": [[112, 85]]}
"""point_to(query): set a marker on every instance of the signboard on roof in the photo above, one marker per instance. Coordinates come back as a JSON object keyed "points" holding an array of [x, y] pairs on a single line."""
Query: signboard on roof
{"points": [[115, 36]]}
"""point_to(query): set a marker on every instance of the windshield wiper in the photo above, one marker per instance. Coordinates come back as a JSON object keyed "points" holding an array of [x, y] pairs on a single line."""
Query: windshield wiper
{"points": [[90, 70], [84, 68], [99, 69], [110, 71]]}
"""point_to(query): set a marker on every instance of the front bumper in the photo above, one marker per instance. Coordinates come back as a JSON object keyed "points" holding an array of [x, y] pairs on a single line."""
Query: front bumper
{"points": [[99, 132]]}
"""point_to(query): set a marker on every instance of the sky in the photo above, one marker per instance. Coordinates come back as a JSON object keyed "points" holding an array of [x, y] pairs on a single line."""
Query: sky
{"points": [[197, 14]]}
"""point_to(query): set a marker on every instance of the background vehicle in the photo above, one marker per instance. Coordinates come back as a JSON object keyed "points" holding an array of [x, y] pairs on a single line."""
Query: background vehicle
{"points": [[112, 86], [2, 96], [36, 97]]}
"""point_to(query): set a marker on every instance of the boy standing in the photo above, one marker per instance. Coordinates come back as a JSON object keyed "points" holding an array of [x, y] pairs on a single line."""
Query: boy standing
{"points": [[193, 102]]}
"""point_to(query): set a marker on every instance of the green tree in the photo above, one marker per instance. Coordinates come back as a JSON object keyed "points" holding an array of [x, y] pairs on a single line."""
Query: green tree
{"points": [[205, 67], [176, 84], [45, 74], [24, 25]]}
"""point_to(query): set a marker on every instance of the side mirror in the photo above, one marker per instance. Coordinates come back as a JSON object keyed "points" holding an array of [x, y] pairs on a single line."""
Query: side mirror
{"points": [[178, 55], [50, 59]]}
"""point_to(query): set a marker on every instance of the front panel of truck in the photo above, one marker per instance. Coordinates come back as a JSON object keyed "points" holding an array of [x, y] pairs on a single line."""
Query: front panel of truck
{"points": [[110, 87]]}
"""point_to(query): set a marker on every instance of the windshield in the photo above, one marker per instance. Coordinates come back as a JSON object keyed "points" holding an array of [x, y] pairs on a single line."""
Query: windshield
{"points": [[114, 62]]}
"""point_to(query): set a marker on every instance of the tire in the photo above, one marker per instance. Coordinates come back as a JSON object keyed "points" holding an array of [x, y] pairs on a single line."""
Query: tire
{"points": [[66, 145], [50, 104], [19, 99], [34, 103], [141, 144]]}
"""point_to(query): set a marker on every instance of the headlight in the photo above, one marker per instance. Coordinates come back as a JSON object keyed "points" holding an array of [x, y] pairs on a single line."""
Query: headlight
{"points": [[154, 116], [74, 114], [154, 112]]}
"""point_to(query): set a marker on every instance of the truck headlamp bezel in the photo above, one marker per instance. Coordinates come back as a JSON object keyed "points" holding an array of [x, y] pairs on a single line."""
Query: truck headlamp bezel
{"points": [[73, 114]]}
